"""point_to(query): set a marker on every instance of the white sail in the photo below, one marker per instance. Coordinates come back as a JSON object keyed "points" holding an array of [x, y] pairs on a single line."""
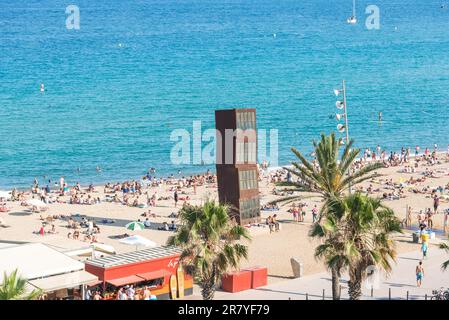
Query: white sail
{"points": [[353, 18]]}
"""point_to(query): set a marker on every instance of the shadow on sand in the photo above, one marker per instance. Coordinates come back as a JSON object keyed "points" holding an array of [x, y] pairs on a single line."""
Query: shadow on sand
{"points": [[21, 213]]}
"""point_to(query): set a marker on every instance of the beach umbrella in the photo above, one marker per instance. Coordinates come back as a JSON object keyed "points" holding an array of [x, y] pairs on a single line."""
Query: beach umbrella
{"points": [[4, 195], [135, 226], [138, 241], [36, 202]]}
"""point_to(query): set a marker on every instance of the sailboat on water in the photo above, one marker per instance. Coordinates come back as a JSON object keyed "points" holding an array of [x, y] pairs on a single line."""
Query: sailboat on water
{"points": [[352, 19]]}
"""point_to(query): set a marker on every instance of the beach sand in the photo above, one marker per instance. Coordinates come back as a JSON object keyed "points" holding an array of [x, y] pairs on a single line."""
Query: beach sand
{"points": [[271, 250]]}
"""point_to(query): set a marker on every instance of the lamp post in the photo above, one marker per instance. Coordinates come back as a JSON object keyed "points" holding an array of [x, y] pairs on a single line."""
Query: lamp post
{"points": [[343, 105]]}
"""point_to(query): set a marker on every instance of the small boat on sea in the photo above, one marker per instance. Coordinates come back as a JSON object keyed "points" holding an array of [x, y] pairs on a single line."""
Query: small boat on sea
{"points": [[352, 19]]}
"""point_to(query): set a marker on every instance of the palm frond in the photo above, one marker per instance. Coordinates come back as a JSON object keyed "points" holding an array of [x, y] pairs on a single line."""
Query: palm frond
{"points": [[209, 239]]}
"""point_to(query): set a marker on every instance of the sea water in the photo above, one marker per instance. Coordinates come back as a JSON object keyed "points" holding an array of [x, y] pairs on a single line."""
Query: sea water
{"points": [[135, 71]]}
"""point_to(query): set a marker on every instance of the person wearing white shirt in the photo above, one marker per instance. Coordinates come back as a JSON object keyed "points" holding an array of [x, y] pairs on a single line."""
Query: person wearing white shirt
{"points": [[88, 295], [90, 226], [122, 295], [130, 292]]}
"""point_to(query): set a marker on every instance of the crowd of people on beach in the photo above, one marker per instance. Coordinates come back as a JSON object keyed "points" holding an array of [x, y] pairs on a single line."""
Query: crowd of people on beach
{"points": [[421, 164], [130, 193], [385, 188], [404, 156], [143, 193], [418, 170], [80, 227], [133, 193]]}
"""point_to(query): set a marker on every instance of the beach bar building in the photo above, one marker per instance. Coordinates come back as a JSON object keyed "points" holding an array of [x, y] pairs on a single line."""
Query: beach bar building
{"points": [[56, 274], [158, 268], [236, 163]]}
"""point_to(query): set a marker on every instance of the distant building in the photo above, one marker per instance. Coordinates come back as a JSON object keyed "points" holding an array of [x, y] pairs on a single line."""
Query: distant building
{"points": [[237, 171]]}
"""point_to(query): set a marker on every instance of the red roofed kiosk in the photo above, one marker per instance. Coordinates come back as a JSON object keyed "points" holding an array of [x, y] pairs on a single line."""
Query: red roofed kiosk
{"points": [[151, 267]]}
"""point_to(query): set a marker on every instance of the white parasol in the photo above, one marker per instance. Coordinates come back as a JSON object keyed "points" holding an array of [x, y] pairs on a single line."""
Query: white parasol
{"points": [[4, 195], [138, 241], [36, 203]]}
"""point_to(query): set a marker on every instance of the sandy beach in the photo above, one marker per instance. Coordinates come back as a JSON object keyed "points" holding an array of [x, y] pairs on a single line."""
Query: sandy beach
{"points": [[271, 250]]}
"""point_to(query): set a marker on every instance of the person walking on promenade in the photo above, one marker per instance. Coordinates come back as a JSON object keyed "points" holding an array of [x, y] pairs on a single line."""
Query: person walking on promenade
{"points": [[419, 274], [424, 244]]}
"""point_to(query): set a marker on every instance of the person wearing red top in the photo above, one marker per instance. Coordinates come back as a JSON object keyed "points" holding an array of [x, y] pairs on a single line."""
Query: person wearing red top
{"points": [[314, 213]]}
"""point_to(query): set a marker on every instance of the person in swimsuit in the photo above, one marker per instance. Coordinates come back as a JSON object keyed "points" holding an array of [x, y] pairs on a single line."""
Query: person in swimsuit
{"points": [[436, 203], [146, 293], [424, 246], [303, 214], [408, 219], [419, 274], [295, 213], [97, 296], [421, 218], [275, 223], [270, 223], [175, 197], [429, 220], [446, 214]]}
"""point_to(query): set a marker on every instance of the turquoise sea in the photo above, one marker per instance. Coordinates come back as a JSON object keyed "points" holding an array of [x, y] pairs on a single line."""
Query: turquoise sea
{"points": [[136, 70]]}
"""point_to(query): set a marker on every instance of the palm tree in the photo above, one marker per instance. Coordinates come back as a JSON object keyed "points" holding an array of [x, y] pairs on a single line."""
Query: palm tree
{"points": [[330, 179], [13, 287], [359, 229], [445, 247], [208, 238], [333, 250]]}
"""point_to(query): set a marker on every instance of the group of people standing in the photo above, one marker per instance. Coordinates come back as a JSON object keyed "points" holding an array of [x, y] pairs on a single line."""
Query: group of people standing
{"points": [[299, 212], [128, 292]]}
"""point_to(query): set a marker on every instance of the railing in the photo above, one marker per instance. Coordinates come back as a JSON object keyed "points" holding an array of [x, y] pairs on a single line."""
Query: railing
{"points": [[406, 296]]}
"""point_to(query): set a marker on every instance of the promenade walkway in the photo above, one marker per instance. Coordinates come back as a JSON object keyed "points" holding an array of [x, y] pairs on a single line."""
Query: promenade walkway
{"points": [[401, 280]]}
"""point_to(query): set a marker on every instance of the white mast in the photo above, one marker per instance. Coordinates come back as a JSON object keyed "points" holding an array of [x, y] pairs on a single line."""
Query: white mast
{"points": [[352, 19]]}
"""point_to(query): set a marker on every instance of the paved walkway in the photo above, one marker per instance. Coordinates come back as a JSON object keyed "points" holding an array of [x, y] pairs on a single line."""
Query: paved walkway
{"points": [[401, 280]]}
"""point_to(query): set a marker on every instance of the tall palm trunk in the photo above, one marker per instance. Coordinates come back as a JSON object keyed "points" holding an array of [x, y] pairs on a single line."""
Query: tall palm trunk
{"points": [[355, 283], [335, 284], [208, 289]]}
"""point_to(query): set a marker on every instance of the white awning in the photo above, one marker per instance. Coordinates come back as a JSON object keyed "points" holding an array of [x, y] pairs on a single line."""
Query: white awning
{"points": [[68, 280], [35, 261]]}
